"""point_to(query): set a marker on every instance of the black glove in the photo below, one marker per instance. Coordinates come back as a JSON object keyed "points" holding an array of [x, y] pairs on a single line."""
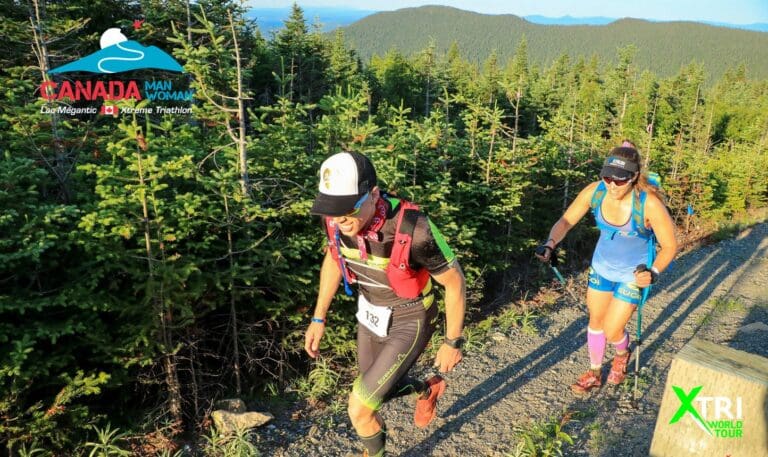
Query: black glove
{"points": [[643, 267], [541, 251]]}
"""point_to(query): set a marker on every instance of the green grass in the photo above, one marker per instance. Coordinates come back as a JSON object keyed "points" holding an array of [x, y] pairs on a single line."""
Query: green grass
{"points": [[322, 381], [478, 335], [543, 438], [273, 396], [643, 380], [527, 322], [336, 410], [585, 414], [600, 438], [729, 229], [31, 451], [476, 339], [725, 304], [504, 322], [272, 389], [237, 445], [106, 443], [722, 305]]}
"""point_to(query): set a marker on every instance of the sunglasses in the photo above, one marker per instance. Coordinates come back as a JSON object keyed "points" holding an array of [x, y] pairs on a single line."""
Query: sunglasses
{"points": [[356, 209], [618, 182]]}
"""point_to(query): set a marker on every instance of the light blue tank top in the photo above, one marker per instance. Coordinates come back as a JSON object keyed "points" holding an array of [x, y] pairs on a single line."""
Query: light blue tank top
{"points": [[617, 255]]}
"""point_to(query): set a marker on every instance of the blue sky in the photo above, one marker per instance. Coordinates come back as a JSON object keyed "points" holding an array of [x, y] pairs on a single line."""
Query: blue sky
{"points": [[731, 11]]}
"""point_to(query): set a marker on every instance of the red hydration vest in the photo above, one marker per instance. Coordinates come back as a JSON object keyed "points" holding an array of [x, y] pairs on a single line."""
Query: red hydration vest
{"points": [[404, 281]]}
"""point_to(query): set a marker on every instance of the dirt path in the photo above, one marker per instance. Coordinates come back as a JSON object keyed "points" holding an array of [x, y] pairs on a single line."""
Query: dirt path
{"points": [[518, 378]]}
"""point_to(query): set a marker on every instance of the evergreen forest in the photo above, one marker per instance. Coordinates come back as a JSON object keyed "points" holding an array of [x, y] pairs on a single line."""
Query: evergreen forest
{"points": [[154, 263]]}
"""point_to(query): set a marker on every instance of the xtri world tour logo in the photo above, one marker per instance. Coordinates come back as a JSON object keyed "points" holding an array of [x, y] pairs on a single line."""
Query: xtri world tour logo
{"points": [[118, 54], [718, 417]]}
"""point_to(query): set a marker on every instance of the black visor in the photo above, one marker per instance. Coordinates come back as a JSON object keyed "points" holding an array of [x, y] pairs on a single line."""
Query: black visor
{"points": [[334, 205], [618, 168]]}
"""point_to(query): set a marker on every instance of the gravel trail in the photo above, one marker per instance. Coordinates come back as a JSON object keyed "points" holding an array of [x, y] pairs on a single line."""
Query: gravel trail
{"points": [[711, 293]]}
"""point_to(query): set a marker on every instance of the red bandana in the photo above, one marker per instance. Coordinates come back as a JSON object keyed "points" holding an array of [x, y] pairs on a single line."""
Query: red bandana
{"points": [[372, 231]]}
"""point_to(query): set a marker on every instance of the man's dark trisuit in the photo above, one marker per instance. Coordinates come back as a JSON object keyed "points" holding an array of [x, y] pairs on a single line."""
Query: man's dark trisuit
{"points": [[385, 360]]}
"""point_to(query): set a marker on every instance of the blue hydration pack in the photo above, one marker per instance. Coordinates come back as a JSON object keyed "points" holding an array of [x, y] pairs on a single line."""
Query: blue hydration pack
{"points": [[638, 218], [638, 208]]}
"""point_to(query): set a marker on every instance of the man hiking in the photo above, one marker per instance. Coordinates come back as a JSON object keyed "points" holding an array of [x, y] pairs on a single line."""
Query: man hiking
{"points": [[630, 214], [392, 252]]}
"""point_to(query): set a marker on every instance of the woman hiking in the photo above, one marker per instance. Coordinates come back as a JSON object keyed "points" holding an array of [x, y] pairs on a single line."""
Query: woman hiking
{"points": [[630, 214]]}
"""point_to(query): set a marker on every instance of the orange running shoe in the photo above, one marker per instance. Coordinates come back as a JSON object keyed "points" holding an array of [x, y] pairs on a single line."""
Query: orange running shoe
{"points": [[619, 368], [426, 406], [586, 382]]}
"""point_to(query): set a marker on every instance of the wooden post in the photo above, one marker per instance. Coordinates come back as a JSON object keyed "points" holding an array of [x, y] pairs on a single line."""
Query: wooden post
{"points": [[715, 404]]}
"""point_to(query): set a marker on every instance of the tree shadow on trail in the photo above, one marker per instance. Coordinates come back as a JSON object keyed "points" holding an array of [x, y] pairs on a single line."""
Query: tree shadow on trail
{"points": [[691, 284], [753, 342], [504, 382]]}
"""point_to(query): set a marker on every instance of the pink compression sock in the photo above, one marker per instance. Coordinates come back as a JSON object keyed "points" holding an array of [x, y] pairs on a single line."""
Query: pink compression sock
{"points": [[596, 346], [623, 344]]}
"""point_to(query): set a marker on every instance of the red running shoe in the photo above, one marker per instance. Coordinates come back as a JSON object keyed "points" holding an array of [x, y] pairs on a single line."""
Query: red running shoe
{"points": [[426, 406], [619, 368], [587, 381]]}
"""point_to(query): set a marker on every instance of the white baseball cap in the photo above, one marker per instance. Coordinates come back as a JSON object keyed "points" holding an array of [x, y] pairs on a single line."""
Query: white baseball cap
{"points": [[344, 178]]}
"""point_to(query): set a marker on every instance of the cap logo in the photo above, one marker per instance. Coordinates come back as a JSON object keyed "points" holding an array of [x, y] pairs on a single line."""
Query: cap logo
{"points": [[327, 178], [618, 162]]}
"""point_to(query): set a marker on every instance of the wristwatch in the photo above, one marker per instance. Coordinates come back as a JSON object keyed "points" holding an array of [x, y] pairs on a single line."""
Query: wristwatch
{"points": [[654, 275], [455, 343]]}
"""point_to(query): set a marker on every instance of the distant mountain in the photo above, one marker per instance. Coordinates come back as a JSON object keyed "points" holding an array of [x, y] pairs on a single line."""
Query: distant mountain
{"points": [[601, 20], [756, 27], [662, 47], [271, 19], [568, 20]]}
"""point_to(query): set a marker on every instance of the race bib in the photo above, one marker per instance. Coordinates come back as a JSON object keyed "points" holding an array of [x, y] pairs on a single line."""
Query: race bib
{"points": [[375, 318]]}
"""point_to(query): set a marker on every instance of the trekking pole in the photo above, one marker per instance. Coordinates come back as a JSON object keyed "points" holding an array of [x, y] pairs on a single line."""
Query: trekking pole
{"points": [[541, 251], [640, 268], [562, 281]]}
